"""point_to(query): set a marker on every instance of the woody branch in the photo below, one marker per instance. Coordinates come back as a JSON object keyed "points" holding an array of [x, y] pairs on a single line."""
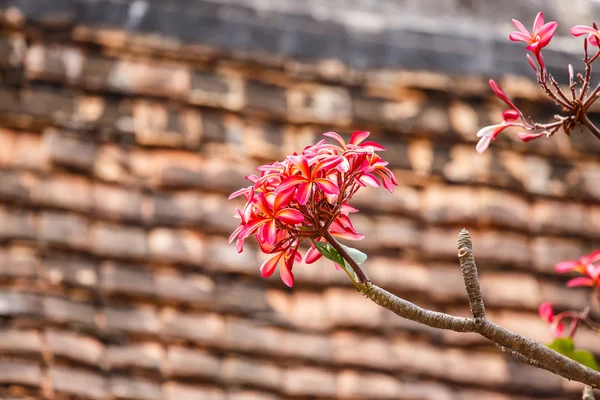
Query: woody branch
{"points": [[521, 348]]}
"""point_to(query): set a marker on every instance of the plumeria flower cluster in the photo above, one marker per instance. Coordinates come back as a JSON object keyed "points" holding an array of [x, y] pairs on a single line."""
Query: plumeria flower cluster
{"points": [[573, 106], [306, 195], [588, 266]]}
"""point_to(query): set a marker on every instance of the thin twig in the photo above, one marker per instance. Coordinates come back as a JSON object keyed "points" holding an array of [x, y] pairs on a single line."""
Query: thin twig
{"points": [[591, 127], [469, 272]]}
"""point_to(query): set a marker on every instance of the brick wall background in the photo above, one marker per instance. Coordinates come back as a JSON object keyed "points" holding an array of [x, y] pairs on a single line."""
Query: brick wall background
{"points": [[121, 138]]}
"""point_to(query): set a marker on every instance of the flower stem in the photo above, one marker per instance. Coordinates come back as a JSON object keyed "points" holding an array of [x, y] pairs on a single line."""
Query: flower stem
{"points": [[360, 274], [591, 127]]}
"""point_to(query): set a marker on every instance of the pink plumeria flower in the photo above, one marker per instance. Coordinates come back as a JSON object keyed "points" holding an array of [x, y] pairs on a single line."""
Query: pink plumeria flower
{"points": [[547, 315], [592, 32], [538, 38], [588, 265], [295, 199], [491, 132]]}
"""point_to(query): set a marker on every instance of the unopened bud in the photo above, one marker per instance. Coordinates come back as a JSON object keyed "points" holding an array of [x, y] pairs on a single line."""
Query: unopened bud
{"points": [[571, 73], [532, 63]]}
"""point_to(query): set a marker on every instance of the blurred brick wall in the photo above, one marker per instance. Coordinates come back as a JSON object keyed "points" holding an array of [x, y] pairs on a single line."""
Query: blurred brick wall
{"points": [[118, 151]]}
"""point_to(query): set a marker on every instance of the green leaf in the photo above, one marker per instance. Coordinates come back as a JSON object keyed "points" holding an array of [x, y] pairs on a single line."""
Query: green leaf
{"points": [[563, 346], [357, 255], [329, 252], [566, 347]]}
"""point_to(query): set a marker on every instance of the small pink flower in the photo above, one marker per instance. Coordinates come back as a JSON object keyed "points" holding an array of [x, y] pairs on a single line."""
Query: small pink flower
{"points": [[538, 38], [588, 265], [547, 315], [528, 136], [501, 95], [592, 31]]}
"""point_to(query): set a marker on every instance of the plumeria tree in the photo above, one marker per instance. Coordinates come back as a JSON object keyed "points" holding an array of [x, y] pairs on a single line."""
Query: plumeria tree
{"points": [[306, 198]]}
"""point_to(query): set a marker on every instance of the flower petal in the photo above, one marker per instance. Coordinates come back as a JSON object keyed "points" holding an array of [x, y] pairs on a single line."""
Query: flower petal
{"points": [[520, 26], [268, 267], [369, 179], [519, 37], [510, 115], [359, 136], [283, 198], [579, 30], [303, 193], [528, 136], [327, 186], [567, 266], [538, 23], [483, 144], [312, 255], [290, 216], [285, 271], [546, 312], [546, 33], [373, 145], [557, 328], [582, 281], [336, 137]]}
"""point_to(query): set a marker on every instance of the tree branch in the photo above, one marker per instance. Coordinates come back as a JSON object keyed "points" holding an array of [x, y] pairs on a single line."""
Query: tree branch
{"points": [[591, 127], [524, 349]]}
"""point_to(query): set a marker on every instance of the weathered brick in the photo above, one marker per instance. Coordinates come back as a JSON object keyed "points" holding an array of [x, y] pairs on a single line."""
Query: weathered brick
{"points": [[118, 241], [313, 103], [22, 150], [178, 391], [503, 209], [179, 208], [142, 355], [20, 372], [203, 328], [12, 50], [404, 275], [79, 383], [221, 256], [266, 97], [376, 352], [71, 270], [97, 70], [313, 347], [155, 124], [559, 217], [18, 262], [64, 191], [300, 308], [563, 297], [309, 381], [177, 245], [136, 320], [251, 395], [17, 341], [117, 202], [236, 370], [248, 335], [17, 224], [17, 185], [63, 229], [48, 104], [75, 347], [184, 362], [450, 204], [193, 288], [467, 166], [346, 309], [547, 251], [511, 290], [70, 150], [215, 90], [361, 385], [15, 303], [135, 388], [393, 232], [67, 311], [118, 278], [112, 164], [591, 174], [58, 63], [157, 78]]}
